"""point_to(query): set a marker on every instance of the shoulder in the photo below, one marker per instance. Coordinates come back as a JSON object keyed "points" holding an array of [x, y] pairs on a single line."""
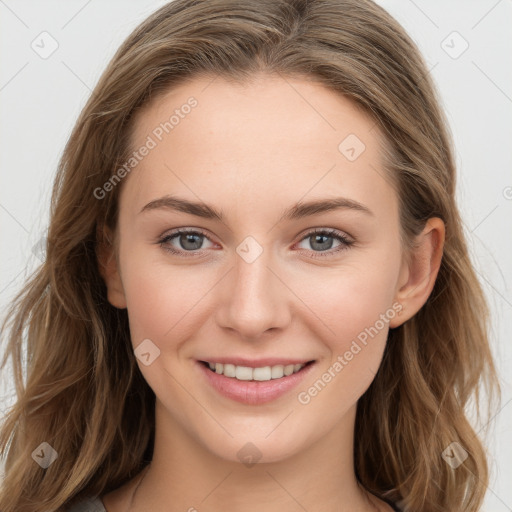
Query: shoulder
{"points": [[92, 504]]}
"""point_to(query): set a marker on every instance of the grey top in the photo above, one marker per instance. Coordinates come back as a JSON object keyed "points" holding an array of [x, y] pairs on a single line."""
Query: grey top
{"points": [[89, 505], [96, 505]]}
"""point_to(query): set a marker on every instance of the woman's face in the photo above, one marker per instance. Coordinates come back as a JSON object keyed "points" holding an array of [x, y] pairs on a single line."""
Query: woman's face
{"points": [[255, 287]]}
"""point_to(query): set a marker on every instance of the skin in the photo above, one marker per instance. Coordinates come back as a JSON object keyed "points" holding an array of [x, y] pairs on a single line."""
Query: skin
{"points": [[251, 151]]}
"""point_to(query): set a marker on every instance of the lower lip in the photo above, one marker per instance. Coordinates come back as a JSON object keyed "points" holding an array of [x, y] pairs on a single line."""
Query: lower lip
{"points": [[254, 392]]}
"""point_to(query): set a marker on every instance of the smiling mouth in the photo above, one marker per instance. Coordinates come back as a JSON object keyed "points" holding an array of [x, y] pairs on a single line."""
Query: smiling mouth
{"points": [[246, 373]]}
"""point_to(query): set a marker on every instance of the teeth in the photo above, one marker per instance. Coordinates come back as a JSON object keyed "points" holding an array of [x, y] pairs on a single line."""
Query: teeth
{"points": [[288, 369], [277, 372], [243, 373], [230, 370], [261, 374], [264, 373]]}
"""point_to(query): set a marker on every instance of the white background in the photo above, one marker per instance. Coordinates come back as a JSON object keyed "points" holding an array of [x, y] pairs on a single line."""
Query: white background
{"points": [[40, 100]]}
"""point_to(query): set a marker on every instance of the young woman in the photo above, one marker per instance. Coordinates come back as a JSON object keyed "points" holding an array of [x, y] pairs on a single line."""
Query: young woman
{"points": [[257, 294]]}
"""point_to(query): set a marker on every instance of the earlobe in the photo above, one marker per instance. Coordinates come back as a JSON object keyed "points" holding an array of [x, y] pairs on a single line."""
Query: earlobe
{"points": [[108, 267], [418, 274]]}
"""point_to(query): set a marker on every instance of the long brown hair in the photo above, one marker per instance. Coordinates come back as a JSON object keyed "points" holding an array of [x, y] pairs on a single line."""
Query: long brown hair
{"points": [[84, 394]]}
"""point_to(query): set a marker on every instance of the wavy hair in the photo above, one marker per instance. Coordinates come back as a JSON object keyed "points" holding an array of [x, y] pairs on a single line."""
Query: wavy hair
{"points": [[84, 393]]}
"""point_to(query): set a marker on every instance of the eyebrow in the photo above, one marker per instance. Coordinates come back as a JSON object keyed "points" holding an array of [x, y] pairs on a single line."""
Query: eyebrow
{"points": [[297, 211]]}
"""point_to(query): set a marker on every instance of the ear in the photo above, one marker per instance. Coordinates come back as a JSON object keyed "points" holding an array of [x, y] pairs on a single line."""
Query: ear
{"points": [[109, 267], [419, 271]]}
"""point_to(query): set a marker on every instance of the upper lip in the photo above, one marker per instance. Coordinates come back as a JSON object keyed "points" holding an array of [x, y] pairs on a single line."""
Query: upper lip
{"points": [[255, 363]]}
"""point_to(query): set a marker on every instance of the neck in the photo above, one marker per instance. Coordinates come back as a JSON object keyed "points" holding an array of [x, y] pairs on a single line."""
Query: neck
{"points": [[184, 475]]}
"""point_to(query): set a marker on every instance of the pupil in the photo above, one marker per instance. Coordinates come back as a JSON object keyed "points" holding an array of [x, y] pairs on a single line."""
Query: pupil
{"points": [[190, 238], [317, 239]]}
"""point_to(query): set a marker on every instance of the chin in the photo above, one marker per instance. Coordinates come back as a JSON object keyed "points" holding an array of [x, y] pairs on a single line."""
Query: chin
{"points": [[250, 449]]}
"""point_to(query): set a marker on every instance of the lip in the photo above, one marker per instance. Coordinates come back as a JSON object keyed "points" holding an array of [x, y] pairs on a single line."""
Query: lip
{"points": [[254, 392]]}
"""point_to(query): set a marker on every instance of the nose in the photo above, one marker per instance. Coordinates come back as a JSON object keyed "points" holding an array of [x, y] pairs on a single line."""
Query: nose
{"points": [[254, 299]]}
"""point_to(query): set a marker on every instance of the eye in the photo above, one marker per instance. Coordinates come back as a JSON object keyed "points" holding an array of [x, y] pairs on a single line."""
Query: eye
{"points": [[321, 241], [186, 241]]}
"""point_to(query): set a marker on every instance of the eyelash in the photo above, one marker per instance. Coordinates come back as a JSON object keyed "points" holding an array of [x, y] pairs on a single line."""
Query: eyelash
{"points": [[333, 233]]}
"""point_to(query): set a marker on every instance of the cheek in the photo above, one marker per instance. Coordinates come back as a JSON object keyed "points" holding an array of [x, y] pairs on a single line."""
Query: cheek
{"points": [[164, 305], [359, 316], [161, 300], [349, 302], [353, 308]]}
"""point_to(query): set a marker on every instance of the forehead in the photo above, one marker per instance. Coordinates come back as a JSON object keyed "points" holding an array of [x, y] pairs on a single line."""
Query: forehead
{"points": [[260, 107], [275, 137]]}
